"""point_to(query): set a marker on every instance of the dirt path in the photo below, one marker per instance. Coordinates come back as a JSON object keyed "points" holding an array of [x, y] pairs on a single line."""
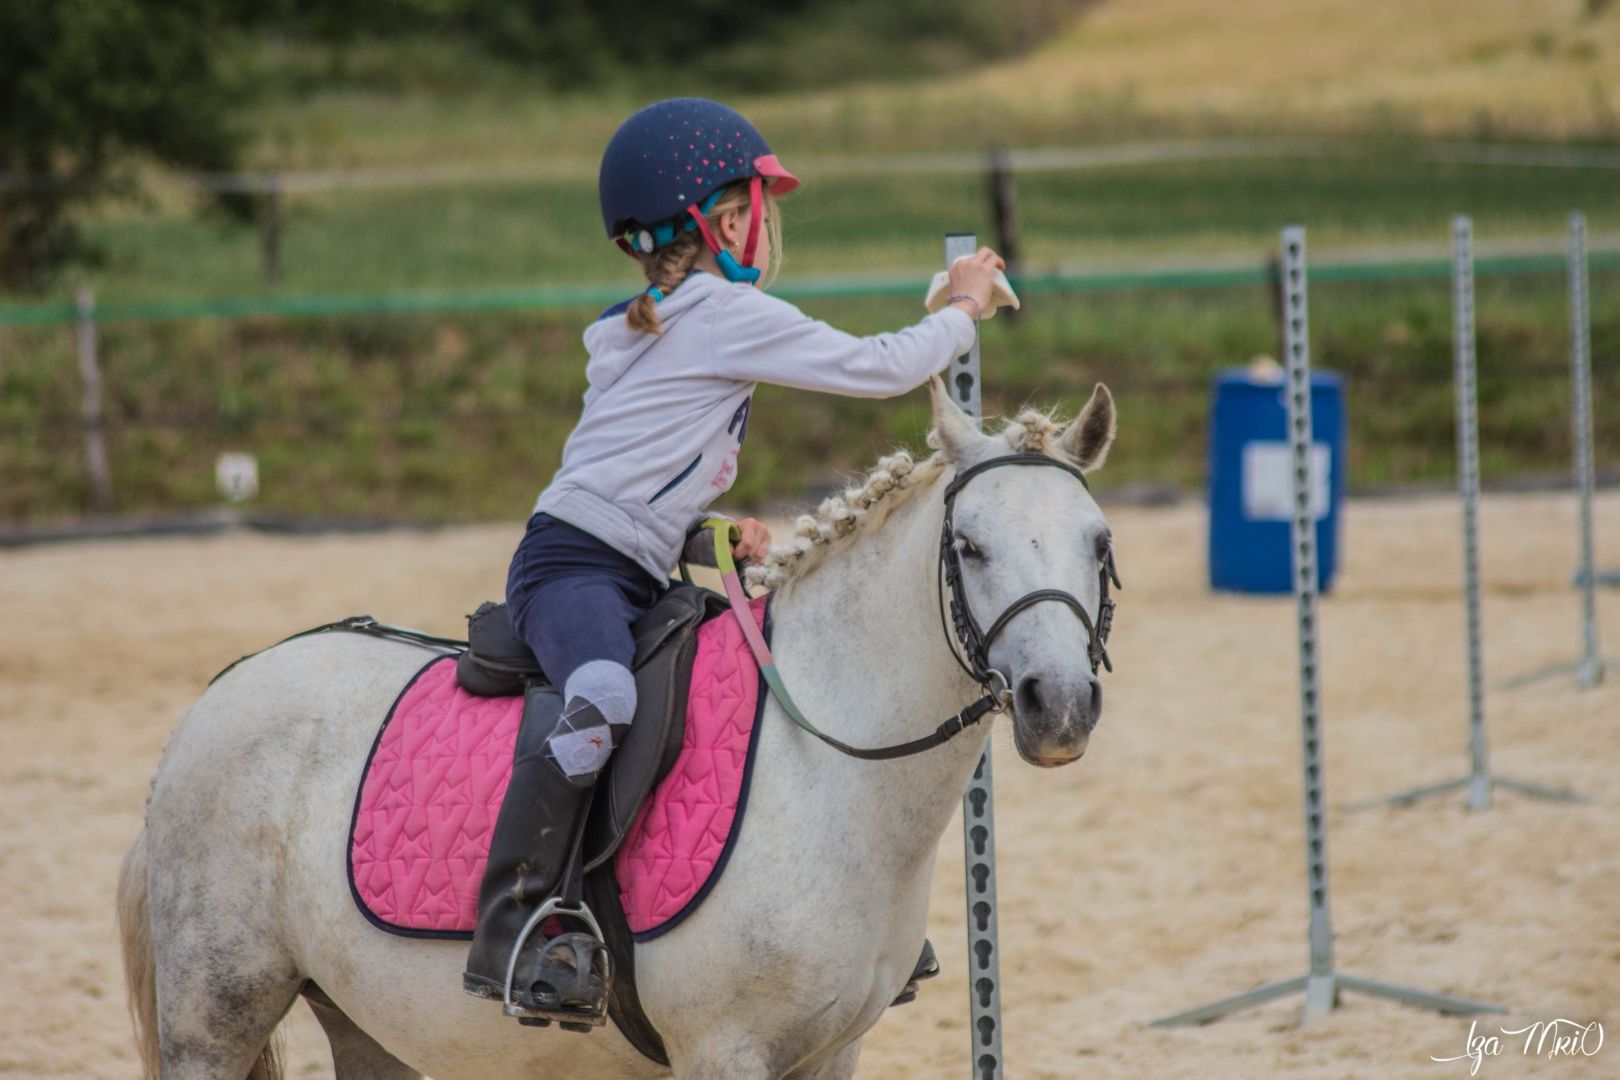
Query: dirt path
{"points": [[1164, 870]]}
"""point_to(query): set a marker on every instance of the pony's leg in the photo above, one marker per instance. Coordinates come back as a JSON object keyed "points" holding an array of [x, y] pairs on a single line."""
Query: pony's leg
{"points": [[223, 979], [355, 1055], [840, 1067], [744, 1059], [218, 1021], [720, 1057]]}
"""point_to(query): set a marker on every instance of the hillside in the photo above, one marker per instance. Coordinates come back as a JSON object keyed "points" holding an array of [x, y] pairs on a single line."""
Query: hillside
{"points": [[1546, 69], [1114, 70]]}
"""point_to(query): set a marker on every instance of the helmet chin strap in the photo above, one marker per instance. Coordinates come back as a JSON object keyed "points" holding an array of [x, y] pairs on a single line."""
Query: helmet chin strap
{"points": [[755, 217], [747, 272]]}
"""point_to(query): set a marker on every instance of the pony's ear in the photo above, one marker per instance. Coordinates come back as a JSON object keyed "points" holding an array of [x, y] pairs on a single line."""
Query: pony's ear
{"points": [[954, 430], [1089, 435]]}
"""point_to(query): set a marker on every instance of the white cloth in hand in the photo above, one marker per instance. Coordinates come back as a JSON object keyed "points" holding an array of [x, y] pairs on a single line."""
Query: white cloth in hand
{"points": [[1001, 293]]}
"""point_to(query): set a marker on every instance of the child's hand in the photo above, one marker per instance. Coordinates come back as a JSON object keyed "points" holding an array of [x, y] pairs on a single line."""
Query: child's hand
{"points": [[755, 543], [972, 276]]}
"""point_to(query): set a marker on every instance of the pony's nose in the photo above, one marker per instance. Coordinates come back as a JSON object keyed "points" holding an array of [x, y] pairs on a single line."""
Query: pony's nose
{"points": [[1058, 709]]}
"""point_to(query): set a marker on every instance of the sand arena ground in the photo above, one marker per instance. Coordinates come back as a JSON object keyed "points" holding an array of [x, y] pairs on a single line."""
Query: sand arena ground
{"points": [[1164, 869]]}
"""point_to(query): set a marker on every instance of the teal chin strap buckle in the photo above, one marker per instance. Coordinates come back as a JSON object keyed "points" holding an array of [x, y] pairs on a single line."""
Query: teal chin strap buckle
{"points": [[734, 270]]}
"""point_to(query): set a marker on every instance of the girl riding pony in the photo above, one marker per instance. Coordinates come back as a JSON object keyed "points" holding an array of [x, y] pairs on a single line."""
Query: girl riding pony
{"points": [[688, 189]]}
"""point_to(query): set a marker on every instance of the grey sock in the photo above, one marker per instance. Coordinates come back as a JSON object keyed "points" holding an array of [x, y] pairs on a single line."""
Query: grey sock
{"points": [[601, 702]]}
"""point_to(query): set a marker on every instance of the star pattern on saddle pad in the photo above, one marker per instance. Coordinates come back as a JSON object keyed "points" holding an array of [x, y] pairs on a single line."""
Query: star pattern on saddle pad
{"points": [[431, 794], [678, 838], [434, 785]]}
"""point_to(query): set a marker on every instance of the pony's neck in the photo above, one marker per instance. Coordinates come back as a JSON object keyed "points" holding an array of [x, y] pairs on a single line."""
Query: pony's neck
{"points": [[859, 644]]}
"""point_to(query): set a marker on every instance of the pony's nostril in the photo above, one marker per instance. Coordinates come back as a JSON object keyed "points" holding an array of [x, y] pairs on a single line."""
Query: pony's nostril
{"points": [[1096, 700], [1028, 697]]}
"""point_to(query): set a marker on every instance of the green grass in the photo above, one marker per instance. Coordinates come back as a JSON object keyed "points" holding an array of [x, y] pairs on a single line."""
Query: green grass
{"points": [[453, 418], [463, 416], [549, 233]]}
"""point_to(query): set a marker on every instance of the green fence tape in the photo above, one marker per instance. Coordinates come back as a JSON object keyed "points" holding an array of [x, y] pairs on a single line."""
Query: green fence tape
{"points": [[556, 297]]}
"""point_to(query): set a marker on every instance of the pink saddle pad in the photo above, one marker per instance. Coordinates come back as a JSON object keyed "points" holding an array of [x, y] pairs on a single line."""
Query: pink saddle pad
{"points": [[438, 770]]}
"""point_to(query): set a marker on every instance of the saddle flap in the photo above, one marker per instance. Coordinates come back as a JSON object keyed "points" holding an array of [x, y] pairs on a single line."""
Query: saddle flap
{"points": [[666, 641]]}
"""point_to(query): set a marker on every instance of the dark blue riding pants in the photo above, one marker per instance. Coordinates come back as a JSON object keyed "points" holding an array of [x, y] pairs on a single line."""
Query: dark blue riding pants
{"points": [[573, 597]]}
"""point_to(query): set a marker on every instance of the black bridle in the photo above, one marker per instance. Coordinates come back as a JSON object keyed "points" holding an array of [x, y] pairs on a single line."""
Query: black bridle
{"points": [[975, 641]]}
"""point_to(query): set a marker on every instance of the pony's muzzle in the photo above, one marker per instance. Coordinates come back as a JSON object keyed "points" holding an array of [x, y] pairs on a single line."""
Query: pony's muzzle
{"points": [[1053, 718]]}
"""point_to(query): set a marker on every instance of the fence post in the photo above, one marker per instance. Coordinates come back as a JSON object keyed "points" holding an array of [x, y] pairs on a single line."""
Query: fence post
{"points": [[272, 231], [95, 440], [1274, 281], [1004, 210], [1590, 671]]}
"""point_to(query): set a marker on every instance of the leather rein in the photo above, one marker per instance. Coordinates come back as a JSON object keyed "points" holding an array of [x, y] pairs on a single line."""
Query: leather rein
{"points": [[975, 643]]}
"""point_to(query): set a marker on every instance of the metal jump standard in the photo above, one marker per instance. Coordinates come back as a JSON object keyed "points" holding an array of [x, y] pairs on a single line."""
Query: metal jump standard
{"points": [[1479, 782], [978, 804], [1322, 982], [1591, 664]]}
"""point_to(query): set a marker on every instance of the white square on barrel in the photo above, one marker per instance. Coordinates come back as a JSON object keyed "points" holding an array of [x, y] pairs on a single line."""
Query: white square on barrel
{"points": [[1268, 481]]}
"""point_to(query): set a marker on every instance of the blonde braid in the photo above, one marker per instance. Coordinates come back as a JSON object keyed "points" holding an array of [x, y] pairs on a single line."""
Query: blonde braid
{"points": [[667, 267]]}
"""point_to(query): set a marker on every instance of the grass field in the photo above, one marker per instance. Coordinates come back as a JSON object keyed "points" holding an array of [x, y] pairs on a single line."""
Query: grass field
{"points": [[458, 416], [502, 235], [446, 418]]}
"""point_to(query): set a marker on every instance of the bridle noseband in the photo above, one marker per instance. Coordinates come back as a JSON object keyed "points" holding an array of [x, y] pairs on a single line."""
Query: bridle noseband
{"points": [[976, 642]]}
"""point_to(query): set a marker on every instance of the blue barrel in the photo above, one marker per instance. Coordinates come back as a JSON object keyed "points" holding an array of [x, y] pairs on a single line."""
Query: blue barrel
{"points": [[1251, 478]]}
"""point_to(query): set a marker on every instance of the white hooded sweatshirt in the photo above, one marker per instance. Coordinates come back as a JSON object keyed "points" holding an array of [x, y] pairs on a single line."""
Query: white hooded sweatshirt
{"points": [[665, 415]]}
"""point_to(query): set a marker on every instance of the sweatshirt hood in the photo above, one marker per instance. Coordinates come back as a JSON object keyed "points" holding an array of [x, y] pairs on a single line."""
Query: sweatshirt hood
{"points": [[614, 347]]}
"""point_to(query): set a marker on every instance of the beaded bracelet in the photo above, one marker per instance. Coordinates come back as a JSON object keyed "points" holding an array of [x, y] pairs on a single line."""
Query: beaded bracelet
{"points": [[978, 309]]}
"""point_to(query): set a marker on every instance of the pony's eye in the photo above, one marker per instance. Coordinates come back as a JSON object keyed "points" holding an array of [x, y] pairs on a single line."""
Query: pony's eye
{"points": [[967, 548]]}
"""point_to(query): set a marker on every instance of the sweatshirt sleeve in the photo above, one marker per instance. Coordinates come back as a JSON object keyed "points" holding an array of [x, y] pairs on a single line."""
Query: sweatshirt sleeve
{"points": [[758, 338]]}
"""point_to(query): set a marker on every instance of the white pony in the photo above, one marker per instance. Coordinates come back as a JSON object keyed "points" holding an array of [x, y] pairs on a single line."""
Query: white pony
{"points": [[233, 900]]}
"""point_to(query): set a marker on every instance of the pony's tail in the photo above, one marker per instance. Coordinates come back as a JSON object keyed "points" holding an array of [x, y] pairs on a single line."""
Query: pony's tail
{"points": [[140, 969]]}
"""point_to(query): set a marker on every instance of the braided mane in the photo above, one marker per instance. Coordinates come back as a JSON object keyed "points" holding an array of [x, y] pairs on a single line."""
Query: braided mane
{"points": [[887, 487]]}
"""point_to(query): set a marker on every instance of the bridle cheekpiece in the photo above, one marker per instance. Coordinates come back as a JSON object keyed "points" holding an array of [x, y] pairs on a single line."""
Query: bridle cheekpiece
{"points": [[975, 641]]}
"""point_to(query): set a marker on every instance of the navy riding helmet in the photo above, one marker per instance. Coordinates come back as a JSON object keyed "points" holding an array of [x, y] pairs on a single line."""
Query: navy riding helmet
{"points": [[665, 166]]}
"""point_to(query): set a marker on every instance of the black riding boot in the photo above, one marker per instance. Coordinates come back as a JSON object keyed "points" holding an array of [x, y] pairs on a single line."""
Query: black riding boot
{"points": [[536, 837]]}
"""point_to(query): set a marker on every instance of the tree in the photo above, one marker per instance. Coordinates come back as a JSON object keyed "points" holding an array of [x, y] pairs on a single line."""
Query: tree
{"points": [[88, 90]]}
